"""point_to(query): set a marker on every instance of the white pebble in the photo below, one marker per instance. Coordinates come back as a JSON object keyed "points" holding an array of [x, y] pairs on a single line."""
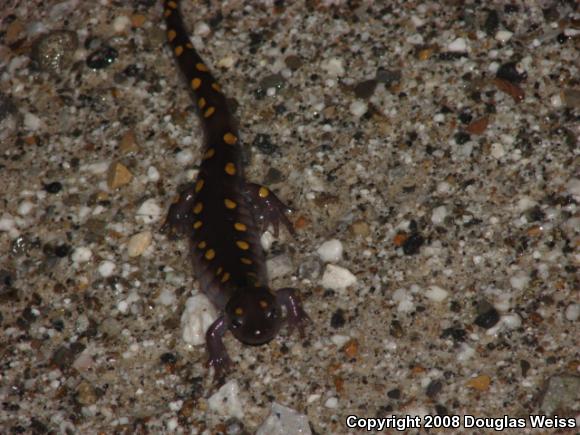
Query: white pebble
{"points": [[81, 255], [167, 298], [7, 223], [226, 401], [202, 29], [198, 315], [149, 212], [106, 268], [520, 280], [333, 66], [465, 353], [121, 23], [358, 108], [573, 188], [331, 402], [503, 35], [172, 424], [31, 121], [283, 420], [25, 207], [330, 251], [439, 214], [337, 278], [511, 321], [138, 243], [123, 306], [573, 312], [443, 187], [436, 293], [153, 174], [497, 150], [404, 300], [184, 157], [339, 340], [458, 46], [556, 100], [525, 203], [278, 266]]}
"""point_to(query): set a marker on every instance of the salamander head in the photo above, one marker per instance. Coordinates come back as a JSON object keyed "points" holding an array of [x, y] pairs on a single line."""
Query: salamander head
{"points": [[254, 315]]}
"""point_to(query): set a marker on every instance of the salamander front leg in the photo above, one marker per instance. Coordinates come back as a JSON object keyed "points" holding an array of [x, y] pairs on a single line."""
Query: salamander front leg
{"points": [[295, 314], [180, 215], [218, 355], [268, 209]]}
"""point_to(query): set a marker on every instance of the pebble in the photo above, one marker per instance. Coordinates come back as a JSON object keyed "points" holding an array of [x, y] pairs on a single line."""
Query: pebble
{"points": [[118, 175], [439, 214], [81, 255], [149, 212], [121, 24], [561, 395], [279, 266], [572, 312], [102, 57], [337, 278], [497, 150], [226, 401], [128, 142], [198, 315], [330, 251], [32, 122], [503, 35], [404, 301], [520, 280], [358, 108], [283, 420], [573, 188], [86, 394], [331, 402], [333, 66], [54, 51], [138, 243], [436, 294], [479, 383], [106, 268], [459, 45]]}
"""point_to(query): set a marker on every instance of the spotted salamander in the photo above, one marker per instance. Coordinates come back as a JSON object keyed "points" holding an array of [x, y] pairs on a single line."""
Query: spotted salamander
{"points": [[224, 215]]}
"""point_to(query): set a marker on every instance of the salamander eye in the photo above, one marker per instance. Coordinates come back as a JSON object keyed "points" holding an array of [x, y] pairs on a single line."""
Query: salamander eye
{"points": [[272, 313]]}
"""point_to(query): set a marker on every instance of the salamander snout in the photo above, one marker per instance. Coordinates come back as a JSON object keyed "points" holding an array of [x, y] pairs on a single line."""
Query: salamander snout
{"points": [[254, 315]]}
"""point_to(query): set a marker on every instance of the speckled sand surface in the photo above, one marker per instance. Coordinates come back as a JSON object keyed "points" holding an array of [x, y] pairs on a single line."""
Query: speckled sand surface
{"points": [[444, 196]]}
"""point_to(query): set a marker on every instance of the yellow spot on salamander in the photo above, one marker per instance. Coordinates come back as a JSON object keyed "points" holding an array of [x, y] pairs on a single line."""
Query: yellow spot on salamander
{"points": [[202, 245], [209, 153], [219, 271], [201, 103], [243, 245], [230, 204], [167, 13], [201, 67], [216, 87], [197, 225], [263, 192], [245, 260], [172, 5], [240, 226], [239, 311], [199, 185], [230, 169], [178, 50], [189, 45], [209, 254], [263, 304], [230, 139], [209, 112], [171, 34], [197, 208], [225, 277], [195, 83]]}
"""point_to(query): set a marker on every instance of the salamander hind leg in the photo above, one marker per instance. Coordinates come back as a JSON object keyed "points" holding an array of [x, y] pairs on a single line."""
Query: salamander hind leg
{"points": [[295, 315], [268, 209], [179, 218]]}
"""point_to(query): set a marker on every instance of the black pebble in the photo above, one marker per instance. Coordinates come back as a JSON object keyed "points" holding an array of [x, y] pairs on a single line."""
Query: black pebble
{"points": [[456, 333], [413, 244], [338, 320], [53, 187], [491, 22], [488, 319], [509, 71], [264, 143], [394, 394], [434, 388], [461, 137], [168, 358]]}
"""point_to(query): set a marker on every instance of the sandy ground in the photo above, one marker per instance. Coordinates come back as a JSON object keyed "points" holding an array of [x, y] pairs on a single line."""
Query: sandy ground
{"points": [[434, 145]]}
